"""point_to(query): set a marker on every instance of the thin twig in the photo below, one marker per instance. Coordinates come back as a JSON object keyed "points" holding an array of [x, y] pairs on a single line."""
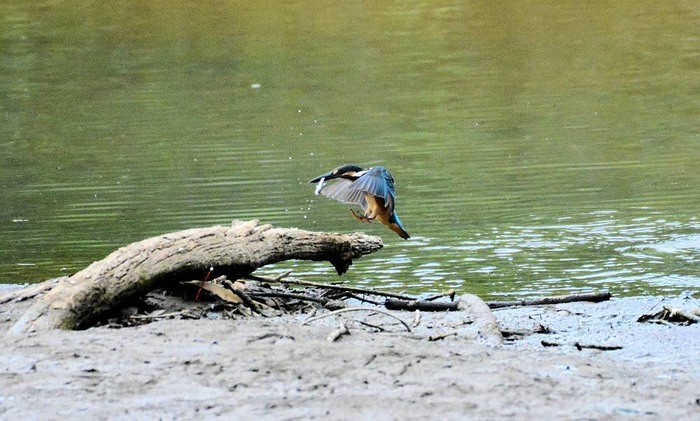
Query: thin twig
{"points": [[364, 300], [342, 330], [330, 287], [450, 293], [373, 326], [416, 320], [204, 281], [580, 346], [249, 302], [156, 315], [283, 275], [442, 336], [289, 295], [343, 310]]}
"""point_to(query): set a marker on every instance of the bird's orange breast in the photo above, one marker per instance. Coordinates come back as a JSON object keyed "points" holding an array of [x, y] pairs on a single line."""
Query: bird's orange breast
{"points": [[376, 209]]}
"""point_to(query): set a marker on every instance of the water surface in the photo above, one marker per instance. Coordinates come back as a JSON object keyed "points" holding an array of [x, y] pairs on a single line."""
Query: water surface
{"points": [[538, 147]]}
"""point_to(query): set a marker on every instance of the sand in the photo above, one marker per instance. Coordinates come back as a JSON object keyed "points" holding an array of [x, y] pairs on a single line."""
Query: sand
{"points": [[275, 368]]}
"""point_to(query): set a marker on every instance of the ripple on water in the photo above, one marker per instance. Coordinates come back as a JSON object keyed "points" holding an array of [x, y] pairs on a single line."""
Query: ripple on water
{"points": [[623, 255]]}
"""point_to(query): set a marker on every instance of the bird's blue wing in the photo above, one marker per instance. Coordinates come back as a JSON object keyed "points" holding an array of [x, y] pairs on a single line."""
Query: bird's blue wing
{"points": [[378, 182], [342, 191]]}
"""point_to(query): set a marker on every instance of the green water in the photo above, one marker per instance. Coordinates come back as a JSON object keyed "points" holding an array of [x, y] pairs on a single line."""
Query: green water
{"points": [[538, 147]]}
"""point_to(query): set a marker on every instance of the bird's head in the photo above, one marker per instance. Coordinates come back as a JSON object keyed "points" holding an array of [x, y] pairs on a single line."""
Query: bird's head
{"points": [[349, 172]]}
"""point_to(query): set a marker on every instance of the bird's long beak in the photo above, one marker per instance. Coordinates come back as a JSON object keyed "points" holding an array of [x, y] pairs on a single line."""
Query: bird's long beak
{"points": [[327, 176]]}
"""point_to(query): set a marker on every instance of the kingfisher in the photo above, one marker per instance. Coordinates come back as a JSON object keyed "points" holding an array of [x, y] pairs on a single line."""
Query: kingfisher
{"points": [[372, 189]]}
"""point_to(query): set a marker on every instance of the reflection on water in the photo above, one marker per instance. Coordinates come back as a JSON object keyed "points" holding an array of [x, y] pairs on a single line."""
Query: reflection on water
{"points": [[537, 149], [648, 254]]}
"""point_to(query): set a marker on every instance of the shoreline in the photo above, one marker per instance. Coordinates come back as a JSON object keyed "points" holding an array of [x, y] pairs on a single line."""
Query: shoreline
{"points": [[273, 368]]}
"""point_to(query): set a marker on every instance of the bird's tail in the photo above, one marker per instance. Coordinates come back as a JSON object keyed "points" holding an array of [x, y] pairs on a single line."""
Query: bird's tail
{"points": [[396, 226]]}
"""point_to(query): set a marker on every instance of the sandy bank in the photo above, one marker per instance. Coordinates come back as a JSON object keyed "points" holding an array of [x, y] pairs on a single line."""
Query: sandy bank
{"points": [[275, 369]]}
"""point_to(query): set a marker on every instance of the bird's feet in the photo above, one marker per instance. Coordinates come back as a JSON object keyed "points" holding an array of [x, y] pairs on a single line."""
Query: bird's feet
{"points": [[360, 217]]}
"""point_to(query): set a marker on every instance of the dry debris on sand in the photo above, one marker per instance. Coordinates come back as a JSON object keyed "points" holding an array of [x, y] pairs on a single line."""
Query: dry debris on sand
{"points": [[274, 368]]}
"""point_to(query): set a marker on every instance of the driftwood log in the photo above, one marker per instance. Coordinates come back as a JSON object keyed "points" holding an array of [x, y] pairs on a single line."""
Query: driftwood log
{"points": [[422, 305], [235, 251], [594, 297], [425, 305]]}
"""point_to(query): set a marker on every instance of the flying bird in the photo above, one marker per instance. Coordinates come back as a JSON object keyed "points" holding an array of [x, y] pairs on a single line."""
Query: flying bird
{"points": [[372, 189]]}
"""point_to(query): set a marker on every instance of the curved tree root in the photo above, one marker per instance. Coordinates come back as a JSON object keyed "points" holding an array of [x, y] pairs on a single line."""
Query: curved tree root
{"points": [[138, 268], [485, 322]]}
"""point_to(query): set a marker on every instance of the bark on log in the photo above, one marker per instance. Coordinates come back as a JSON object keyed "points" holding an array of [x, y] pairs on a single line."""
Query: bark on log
{"points": [[30, 292], [136, 269]]}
